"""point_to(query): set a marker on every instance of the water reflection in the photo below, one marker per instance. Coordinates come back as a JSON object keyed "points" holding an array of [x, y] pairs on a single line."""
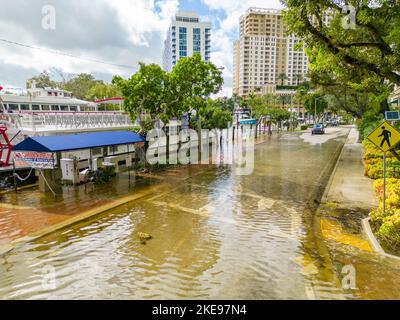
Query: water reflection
{"points": [[215, 235]]}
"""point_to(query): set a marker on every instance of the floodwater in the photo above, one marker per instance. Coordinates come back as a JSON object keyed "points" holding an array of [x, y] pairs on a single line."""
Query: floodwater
{"points": [[215, 235]]}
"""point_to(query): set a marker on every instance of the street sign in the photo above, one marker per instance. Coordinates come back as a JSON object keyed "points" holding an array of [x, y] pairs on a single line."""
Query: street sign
{"points": [[248, 121], [392, 115], [385, 136]]}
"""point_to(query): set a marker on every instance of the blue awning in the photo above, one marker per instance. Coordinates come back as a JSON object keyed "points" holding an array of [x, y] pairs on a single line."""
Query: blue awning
{"points": [[80, 141]]}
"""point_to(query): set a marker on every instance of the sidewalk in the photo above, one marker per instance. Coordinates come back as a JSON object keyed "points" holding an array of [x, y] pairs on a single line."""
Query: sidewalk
{"points": [[348, 187]]}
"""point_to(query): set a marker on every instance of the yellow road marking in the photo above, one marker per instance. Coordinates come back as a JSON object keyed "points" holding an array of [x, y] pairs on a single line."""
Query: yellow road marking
{"points": [[332, 230], [13, 206]]}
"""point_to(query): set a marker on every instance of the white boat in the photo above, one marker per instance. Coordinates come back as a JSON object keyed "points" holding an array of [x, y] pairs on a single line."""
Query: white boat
{"points": [[49, 111], [55, 111]]}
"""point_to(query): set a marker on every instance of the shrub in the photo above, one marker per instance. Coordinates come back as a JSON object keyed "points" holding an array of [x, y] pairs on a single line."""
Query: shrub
{"points": [[368, 122], [304, 127], [104, 175], [389, 231], [385, 225]]}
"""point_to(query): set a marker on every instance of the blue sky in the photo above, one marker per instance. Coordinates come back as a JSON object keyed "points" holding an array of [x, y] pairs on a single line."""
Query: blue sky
{"points": [[123, 32]]}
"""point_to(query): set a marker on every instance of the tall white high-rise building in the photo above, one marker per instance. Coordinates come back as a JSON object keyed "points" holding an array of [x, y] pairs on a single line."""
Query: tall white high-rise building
{"points": [[186, 35]]}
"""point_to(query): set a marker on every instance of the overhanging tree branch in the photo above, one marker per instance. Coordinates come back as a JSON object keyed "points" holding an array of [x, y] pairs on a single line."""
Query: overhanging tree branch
{"points": [[368, 66]]}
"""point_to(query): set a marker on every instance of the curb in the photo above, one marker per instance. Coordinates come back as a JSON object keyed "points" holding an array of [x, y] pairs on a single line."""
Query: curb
{"points": [[332, 176], [370, 236], [374, 242], [7, 248], [19, 188]]}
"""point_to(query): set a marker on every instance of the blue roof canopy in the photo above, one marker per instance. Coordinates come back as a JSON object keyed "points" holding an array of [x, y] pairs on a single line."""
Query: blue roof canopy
{"points": [[80, 141]]}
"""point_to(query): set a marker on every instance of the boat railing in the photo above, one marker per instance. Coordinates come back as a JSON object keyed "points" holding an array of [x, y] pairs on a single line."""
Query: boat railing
{"points": [[54, 121]]}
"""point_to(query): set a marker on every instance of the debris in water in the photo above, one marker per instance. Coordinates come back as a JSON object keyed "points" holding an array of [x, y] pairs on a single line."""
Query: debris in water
{"points": [[143, 237]]}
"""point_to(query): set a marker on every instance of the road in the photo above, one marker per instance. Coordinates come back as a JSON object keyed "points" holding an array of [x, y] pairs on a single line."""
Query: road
{"points": [[215, 234]]}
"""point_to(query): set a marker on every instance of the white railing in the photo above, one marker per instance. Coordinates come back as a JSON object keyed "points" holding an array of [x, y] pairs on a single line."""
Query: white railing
{"points": [[65, 121]]}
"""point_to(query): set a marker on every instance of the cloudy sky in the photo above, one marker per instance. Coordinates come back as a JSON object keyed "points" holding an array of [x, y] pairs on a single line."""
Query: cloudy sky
{"points": [[118, 32]]}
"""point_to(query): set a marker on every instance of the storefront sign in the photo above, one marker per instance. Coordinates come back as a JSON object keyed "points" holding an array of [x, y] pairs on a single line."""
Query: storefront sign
{"points": [[36, 160]]}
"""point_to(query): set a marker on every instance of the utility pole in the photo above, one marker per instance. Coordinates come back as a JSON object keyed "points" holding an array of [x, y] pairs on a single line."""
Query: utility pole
{"points": [[315, 108]]}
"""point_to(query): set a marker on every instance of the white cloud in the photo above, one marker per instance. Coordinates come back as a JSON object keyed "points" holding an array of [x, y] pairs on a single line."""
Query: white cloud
{"points": [[143, 17], [116, 31], [225, 92]]}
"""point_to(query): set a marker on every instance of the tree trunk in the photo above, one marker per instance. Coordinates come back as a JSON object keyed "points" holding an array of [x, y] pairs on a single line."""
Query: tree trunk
{"points": [[384, 106], [199, 137], [167, 132]]}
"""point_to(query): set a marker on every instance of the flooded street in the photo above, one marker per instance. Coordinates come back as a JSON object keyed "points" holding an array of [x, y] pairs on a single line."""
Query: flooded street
{"points": [[215, 235]]}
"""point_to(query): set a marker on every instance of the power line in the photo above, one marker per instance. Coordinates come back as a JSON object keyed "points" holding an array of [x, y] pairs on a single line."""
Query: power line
{"points": [[66, 54]]}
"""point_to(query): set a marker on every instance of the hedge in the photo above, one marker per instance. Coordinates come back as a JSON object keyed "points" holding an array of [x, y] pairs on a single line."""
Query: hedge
{"points": [[386, 226]]}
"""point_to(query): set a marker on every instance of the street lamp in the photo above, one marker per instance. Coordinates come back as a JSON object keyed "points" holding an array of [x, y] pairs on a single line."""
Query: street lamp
{"points": [[315, 107]]}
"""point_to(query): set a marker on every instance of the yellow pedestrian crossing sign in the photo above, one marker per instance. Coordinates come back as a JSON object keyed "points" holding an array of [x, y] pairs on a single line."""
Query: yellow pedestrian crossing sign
{"points": [[385, 136]]}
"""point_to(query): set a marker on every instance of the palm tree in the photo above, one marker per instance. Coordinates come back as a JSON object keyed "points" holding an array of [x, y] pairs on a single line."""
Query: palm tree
{"points": [[298, 78], [282, 76], [284, 99]]}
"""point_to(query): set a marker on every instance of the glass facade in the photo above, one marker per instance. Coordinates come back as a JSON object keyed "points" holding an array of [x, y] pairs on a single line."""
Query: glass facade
{"points": [[186, 36], [207, 44], [197, 40], [182, 41], [173, 41]]}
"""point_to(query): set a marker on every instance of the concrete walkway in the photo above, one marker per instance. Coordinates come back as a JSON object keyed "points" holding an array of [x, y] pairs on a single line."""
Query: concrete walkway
{"points": [[348, 187]]}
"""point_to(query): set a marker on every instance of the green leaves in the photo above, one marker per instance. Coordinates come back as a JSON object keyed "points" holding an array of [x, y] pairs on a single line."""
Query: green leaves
{"points": [[371, 46], [313, 101], [153, 93], [277, 115], [354, 67], [102, 90], [80, 85], [145, 93], [214, 116], [196, 80]]}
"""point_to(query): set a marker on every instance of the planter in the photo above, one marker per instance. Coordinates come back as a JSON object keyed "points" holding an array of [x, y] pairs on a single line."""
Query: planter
{"points": [[376, 247]]}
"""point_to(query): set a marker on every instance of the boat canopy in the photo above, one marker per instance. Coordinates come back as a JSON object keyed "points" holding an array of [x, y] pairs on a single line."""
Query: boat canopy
{"points": [[81, 141]]}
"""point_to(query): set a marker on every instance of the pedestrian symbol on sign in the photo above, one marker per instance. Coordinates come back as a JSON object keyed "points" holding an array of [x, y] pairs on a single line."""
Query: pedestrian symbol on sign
{"points": [[386, 134], [385, 137]]}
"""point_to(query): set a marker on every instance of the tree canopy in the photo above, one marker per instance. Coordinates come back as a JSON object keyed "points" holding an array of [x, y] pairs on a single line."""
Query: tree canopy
{"points": [[82, 86], [145, 94], [103, 90], [214, 116], [354, 59], [195, 80], [43, 80], [152, 94], [371, 44]]}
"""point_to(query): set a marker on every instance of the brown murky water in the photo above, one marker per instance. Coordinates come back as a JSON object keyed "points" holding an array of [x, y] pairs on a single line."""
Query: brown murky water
{"points": [[215, 235]]}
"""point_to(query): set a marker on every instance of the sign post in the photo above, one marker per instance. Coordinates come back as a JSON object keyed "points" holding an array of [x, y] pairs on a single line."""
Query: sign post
{"points": [[385, 137]]}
